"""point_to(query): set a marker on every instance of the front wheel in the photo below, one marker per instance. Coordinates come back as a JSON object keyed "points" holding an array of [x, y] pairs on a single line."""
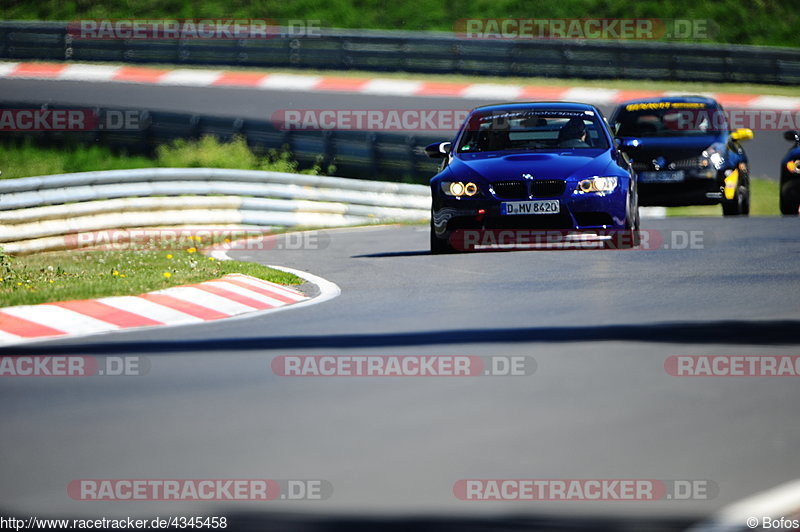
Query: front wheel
{"points": [[740, 204], [632, 226], [790, 198], [439, 246]]}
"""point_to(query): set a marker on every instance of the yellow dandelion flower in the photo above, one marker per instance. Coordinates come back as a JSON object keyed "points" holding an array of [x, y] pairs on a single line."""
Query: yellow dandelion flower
{"points": [[167, 275], [169, 256], [115, 273], [191, 250], [210, 258]]}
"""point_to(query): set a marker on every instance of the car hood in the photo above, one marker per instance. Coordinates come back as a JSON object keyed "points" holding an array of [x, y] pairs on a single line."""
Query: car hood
{"points": [[492, 166]]}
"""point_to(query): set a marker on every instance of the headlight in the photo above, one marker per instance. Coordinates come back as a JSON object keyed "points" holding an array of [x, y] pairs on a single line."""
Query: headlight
{"points": [[793, 166], [713, 156], [596, 184], [458, 188]]}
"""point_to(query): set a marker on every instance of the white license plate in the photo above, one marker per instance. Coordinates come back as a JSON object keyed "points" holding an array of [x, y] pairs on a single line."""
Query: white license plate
{"points": [[530, 207], [662, 177]]}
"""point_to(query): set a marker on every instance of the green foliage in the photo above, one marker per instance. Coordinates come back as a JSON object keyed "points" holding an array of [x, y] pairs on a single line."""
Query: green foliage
{"points": [[770, 22], [27, 159]]}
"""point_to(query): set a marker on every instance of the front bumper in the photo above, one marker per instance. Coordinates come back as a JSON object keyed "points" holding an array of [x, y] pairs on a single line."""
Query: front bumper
{"points": [[577, 212]]}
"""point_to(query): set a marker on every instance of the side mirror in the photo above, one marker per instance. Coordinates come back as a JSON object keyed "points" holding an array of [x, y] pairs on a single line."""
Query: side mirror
{"points": [[617, 142], [742, 134], [438, 150], [792, 136]]}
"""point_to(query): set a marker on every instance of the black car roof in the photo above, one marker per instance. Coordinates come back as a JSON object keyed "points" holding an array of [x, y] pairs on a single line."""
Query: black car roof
{"points": [[711, 102]]}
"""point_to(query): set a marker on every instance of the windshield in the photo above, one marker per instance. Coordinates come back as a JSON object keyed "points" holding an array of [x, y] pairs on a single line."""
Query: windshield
{"points": [[532, 130], [669, 119]]}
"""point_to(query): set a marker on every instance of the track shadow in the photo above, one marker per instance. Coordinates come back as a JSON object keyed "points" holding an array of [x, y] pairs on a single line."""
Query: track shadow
{"points": [[718, 332], [392, 254]]}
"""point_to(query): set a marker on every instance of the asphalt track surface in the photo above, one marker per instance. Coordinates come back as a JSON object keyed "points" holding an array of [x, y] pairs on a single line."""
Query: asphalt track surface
{"points": [[765, 151], [599, 324], [600, 404]]}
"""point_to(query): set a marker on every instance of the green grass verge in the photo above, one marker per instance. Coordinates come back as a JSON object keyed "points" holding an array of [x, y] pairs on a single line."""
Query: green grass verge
{"points": [[772, 22], [27, 159], [69, 275], [763, 202]]}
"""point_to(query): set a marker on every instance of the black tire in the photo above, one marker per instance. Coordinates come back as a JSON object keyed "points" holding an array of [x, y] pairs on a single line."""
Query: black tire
{"points": [[439, 246], [632, 226], [790, 198], [740, 204]]}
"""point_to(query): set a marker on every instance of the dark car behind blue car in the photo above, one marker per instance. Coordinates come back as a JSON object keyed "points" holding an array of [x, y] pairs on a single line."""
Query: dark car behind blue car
{"points": [[684, 153], [532, 166]]}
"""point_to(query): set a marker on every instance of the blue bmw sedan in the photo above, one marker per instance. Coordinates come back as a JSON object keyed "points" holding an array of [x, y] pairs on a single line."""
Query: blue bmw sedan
{"points": [[531, 166]]}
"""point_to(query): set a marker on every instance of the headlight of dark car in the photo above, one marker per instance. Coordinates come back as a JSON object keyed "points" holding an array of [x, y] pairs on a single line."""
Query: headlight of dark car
{"points": [[713, 156]]}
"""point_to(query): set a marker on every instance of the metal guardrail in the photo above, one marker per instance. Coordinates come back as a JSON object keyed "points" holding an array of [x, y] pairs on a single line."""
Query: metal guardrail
{"points": [[47, 212], [366, 155], [424, 52]]}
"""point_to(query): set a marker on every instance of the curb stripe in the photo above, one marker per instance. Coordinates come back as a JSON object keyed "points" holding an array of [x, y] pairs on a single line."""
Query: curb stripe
{"points": [[491, 91], [440, 89], [25, 328], [294, 82], [388, 86], [39, 70], [194, 295], [227, 294], [8, 337], [67, 320], [341, 84], [137, 305], [198, 78], [138, 74], [274, 294], [288, 292], [82, 72], [198, 311], [107, 313], [7, 68], [242, 79], [227, 284], [542, 93], [232, 296]]}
